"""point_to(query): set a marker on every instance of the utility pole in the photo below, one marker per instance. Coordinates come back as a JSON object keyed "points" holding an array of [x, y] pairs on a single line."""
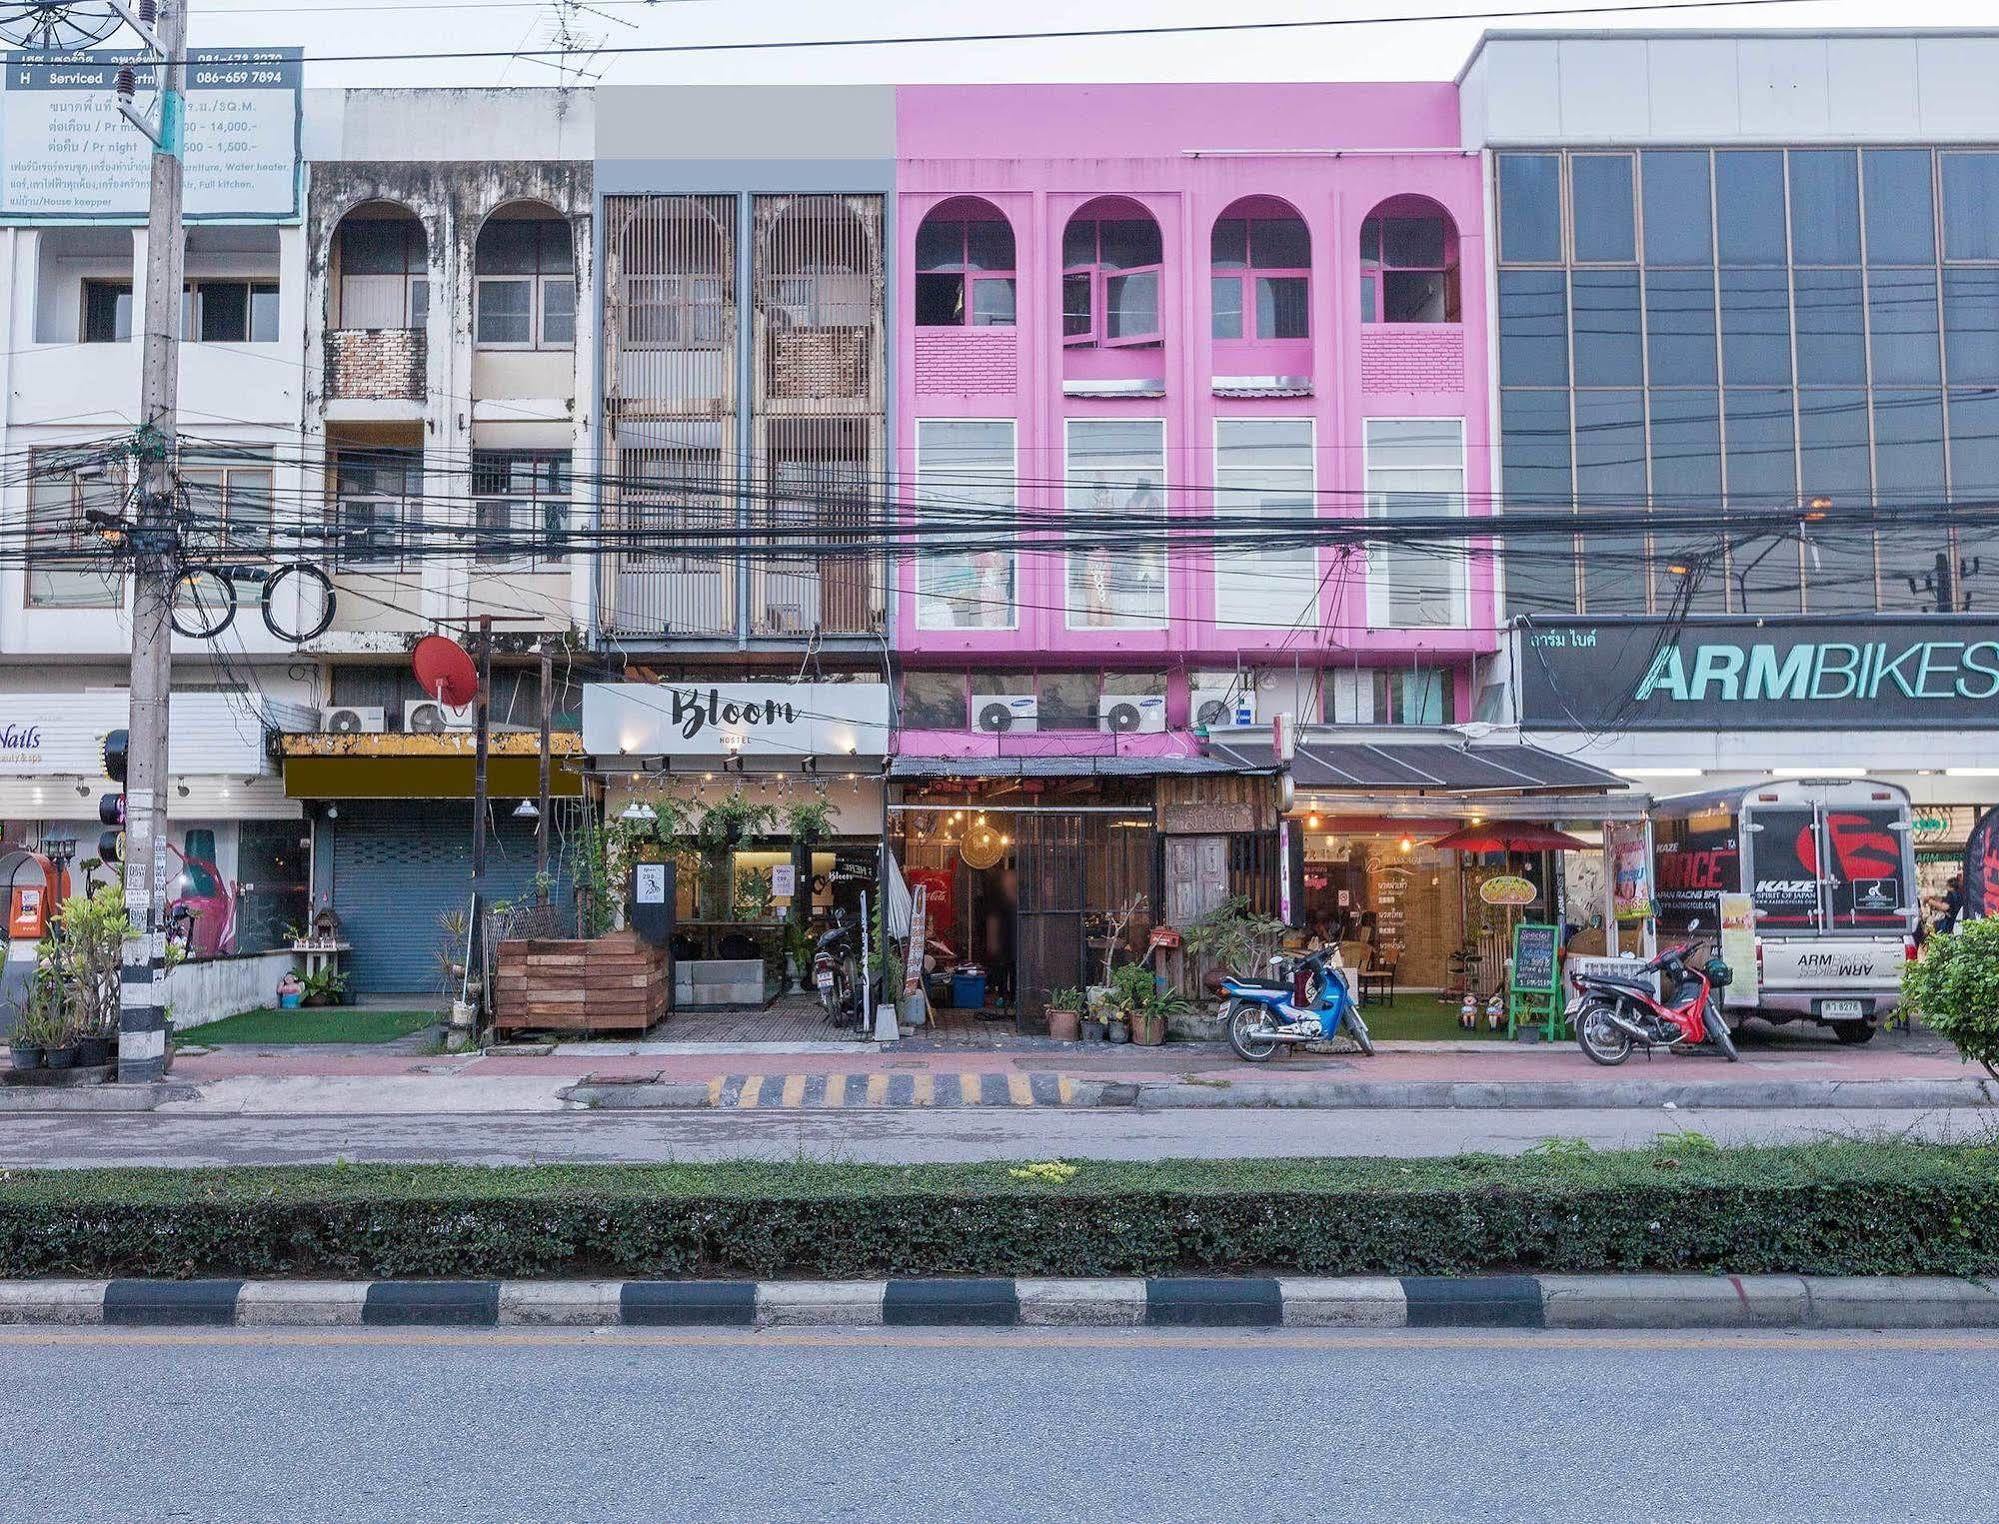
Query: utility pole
{"points": [[142, 1038], [541, 791]]}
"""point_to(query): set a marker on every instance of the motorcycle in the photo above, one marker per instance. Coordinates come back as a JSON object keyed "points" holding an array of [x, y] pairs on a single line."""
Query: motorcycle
{"points": [[836, 976], [1260, 1015], [1614, 1013]]}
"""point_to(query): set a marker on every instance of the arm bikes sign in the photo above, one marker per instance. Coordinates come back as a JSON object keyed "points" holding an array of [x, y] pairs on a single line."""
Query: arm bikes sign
{"points": [[1791, 674]]}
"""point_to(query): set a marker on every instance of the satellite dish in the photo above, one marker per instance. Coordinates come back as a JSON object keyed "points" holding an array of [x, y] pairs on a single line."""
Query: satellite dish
{"points": [[444, 670], [58, 27]]}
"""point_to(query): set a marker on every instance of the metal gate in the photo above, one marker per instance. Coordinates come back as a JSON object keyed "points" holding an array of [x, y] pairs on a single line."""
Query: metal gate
{"points": [[399, 867]]}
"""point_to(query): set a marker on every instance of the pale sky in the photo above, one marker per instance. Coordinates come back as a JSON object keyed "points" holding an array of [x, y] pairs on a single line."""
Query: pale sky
{"points": [[1425, 50]]}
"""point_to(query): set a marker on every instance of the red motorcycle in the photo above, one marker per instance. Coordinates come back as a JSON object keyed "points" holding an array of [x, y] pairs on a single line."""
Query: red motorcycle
{"points": [[1614, 1013]]}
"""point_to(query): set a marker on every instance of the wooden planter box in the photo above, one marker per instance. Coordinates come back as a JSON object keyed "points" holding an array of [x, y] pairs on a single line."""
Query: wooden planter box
{"points": [[614, 983]]}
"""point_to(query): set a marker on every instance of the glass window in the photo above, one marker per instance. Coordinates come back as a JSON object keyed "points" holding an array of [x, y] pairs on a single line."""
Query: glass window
{"points": [[66, 562], [558, 313], [1908, 465], [940, 301], [1680, 327], [229, 504], [1129, 242], [1610, 477], [1761, 451], [1610, 350], [1111, 281], [964, 482], [1415, 469], [506, 312], [1971, 326], [1902, 312], [993, 303], [1900, 213], [934, 701], [1533, 329], [1600, 207], [376, 489], [1835, 469], [1974, 447], [1534, 430], [1281, 307], [107, 311], [1279, 243], [1226, 305], [1264, 478], [954, 254], [264, 312], [520, 507], [1686, 449], [1278, 304], [1409, 264], [1832, 330], [1755, 328], [527, 290], [1117, 481], [1131, 307], [1971, 206], [1530, 207], [1825, 207], [1678, 221], [1067, 700], [1749, 207]]}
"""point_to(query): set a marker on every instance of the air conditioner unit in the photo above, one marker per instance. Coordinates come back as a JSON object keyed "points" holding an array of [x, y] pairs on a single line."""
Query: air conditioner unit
{"points": [[354, 719], [1005, 713], [1234, 705], [1128, 714], [429, 717]]}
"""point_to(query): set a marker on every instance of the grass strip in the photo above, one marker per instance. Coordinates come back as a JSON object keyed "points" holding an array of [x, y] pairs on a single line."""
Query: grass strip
{"points": [[334, 1023]]}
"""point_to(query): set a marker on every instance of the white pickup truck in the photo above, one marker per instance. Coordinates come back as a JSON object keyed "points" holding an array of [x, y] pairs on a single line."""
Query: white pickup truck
{"points": [[1829, 864]]}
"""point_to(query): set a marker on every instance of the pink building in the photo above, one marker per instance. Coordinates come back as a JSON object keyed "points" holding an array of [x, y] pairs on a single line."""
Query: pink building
{"points": [[1117, 305]]}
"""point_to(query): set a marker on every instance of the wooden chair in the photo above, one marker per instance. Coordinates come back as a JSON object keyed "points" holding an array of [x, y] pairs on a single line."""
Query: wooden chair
{"points": [[1377, 981]]}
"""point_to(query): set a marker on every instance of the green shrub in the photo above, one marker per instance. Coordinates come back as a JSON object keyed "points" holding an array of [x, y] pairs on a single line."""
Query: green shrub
{"points": [[1954, 987], [1853, 1208]]}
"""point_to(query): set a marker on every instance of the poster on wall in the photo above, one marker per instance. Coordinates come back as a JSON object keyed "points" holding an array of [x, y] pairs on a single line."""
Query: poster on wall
{"points": [[1738, 946], [1630, 849], [66, 151]]}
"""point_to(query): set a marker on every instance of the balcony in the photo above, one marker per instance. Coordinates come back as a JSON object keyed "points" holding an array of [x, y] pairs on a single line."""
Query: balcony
{"points": [[376, 364]]}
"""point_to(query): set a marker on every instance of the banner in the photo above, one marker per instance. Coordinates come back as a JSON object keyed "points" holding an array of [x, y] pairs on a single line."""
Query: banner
{"points": [[1981, 867], [66, 152], [1630, 848], [1738, 947]]}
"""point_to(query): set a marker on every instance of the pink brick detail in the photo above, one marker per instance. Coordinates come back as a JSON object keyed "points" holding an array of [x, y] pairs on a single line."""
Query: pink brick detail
{"points": [[1412, 357], [966, 362]]}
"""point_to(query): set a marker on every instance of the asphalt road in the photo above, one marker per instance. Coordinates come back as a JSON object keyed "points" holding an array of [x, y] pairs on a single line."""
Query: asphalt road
{"points": [[996, 1427], [901, 1136]]}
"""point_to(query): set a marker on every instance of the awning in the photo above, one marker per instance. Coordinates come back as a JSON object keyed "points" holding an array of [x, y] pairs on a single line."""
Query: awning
{"points": [[1063, 767], [406, 765], [1446, 760]]}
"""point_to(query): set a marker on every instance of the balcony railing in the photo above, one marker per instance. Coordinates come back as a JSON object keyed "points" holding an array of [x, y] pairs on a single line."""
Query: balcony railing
{"points": [[697, 600]]}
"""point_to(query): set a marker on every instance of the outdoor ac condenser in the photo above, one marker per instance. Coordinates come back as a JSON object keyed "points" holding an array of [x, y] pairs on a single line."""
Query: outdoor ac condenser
{"points": [[1005, 713]]}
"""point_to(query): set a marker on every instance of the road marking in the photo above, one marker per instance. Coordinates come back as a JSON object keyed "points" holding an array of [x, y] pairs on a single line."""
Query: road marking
{"points": [[877, 1089], [1066, 1088], [715, 1089], [926, 1091], [836, 1089], [1019, 1090], [968, 1088], [793, 1094], [752, 1091]]}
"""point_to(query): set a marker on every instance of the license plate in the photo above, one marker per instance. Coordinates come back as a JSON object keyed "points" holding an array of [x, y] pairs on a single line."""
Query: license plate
{"points": [[1841, 1010], [824, 979]]}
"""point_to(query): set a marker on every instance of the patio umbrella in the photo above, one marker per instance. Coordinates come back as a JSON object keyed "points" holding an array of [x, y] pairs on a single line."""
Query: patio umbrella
{"points": [[1510, 836]]}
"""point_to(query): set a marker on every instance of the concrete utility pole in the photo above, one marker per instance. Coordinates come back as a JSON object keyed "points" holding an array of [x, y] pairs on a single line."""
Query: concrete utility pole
{"points": [[142, 1038]]}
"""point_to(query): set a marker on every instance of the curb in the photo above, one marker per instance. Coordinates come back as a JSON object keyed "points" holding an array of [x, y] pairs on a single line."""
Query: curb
{"points": [[1410, 1301], [1080, 1093], [111, 1097]]}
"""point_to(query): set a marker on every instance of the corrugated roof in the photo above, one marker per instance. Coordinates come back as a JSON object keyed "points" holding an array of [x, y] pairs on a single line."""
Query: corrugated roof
{"points": [[1425, 762]]}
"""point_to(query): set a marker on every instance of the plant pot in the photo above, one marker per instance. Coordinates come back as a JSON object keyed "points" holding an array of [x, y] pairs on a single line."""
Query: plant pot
{"points": [[1148, 1028], [63, 1057], [1064, 1025], [1120, 1032], [28, 1055], [1092, 1029], [93, 1051], [1098, 998]]}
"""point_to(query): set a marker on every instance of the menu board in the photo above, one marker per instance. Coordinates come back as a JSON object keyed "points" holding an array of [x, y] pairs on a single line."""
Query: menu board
{"points": [[1534, 957]]}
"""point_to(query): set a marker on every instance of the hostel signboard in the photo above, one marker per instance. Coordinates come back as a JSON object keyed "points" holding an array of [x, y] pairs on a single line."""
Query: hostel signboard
{"points": [[67, 154], [770, 723], [1778, 674]]}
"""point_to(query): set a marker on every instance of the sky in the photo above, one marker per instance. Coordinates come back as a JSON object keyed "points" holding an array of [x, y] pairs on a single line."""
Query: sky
{"points": [[1404, 51]]}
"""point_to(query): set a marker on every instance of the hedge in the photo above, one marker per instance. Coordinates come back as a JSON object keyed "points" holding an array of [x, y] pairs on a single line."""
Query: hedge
{"points": [[1847, 1208]]}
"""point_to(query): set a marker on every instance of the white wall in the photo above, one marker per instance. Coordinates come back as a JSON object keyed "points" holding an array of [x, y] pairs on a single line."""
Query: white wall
{"points": [[198, 993]]}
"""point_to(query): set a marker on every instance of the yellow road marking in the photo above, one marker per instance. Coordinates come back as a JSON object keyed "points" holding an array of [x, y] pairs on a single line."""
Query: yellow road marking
{"points": [[794, 1090], [752, 1091], [968, 1086], [1066, 1088], [836, 1090], [877, 1089], [1019, 1091], [715, 1089], [926, 1090]]}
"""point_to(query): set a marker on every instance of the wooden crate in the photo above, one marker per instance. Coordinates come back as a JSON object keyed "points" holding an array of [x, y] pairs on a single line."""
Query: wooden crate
{"points": [[614, 983]]}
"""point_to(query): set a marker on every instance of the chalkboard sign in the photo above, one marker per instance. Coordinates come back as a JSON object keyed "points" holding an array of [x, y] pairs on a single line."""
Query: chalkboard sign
{"points": [[1534, 958]]}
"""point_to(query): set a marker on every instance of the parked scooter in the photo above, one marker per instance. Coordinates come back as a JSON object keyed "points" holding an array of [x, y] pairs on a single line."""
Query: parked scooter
{"points": [[1260, 1015], [836, 974], [1614, 1013]]}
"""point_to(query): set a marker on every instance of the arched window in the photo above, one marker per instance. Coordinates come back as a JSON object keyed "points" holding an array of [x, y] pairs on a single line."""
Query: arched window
{"points": [[384, 262], [1409, 263], [965, 266], [526, 272], [1261, 287], [1111, 275]]}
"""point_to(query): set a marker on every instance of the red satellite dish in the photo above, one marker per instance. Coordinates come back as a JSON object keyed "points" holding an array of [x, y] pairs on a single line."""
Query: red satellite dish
{"points": [[444, 670]]}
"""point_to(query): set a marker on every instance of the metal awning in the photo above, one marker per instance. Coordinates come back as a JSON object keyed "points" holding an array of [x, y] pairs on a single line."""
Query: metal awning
{"points": [[1424, 760], [1063, 767]]}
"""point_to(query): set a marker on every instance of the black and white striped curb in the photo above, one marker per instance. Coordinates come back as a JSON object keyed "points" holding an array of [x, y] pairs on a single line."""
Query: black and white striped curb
{"points": [[1410, 1301]]}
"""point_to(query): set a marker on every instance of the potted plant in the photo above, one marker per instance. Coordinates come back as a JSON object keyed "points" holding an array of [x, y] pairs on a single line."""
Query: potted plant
{"points": [[26, 1043], [93, 1047], [322, 987], [1116, 1027], [61, 1040], [1065, 1014]]}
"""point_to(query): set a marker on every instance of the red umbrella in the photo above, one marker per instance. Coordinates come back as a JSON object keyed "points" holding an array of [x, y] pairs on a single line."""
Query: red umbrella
{"points": [[1510, 837]]}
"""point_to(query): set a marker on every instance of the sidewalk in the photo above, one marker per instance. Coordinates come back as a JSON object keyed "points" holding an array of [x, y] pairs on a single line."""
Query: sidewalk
{"points": [[1778, 1069]]}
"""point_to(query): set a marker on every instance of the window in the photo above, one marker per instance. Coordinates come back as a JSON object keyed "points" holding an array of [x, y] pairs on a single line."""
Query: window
{"points": [[1415, 470], [1112, 263], [1600, 208], [1367, 696], [378, 491], [964, 485], [965, 267], [1117, 488], [68, 563], [1264, 481], [1679, 219], [527, 284], [1068, 700], [229, 500], [675, 276], [384, 280], [1409, 264], [520, 505], [1530, 208], [934, 701], [1971, 206], [230, 312], [1261, 286], [107, 311]]}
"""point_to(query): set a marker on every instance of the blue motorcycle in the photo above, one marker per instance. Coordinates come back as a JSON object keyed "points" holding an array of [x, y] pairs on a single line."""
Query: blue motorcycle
{"points": [[1261, 1017]]}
